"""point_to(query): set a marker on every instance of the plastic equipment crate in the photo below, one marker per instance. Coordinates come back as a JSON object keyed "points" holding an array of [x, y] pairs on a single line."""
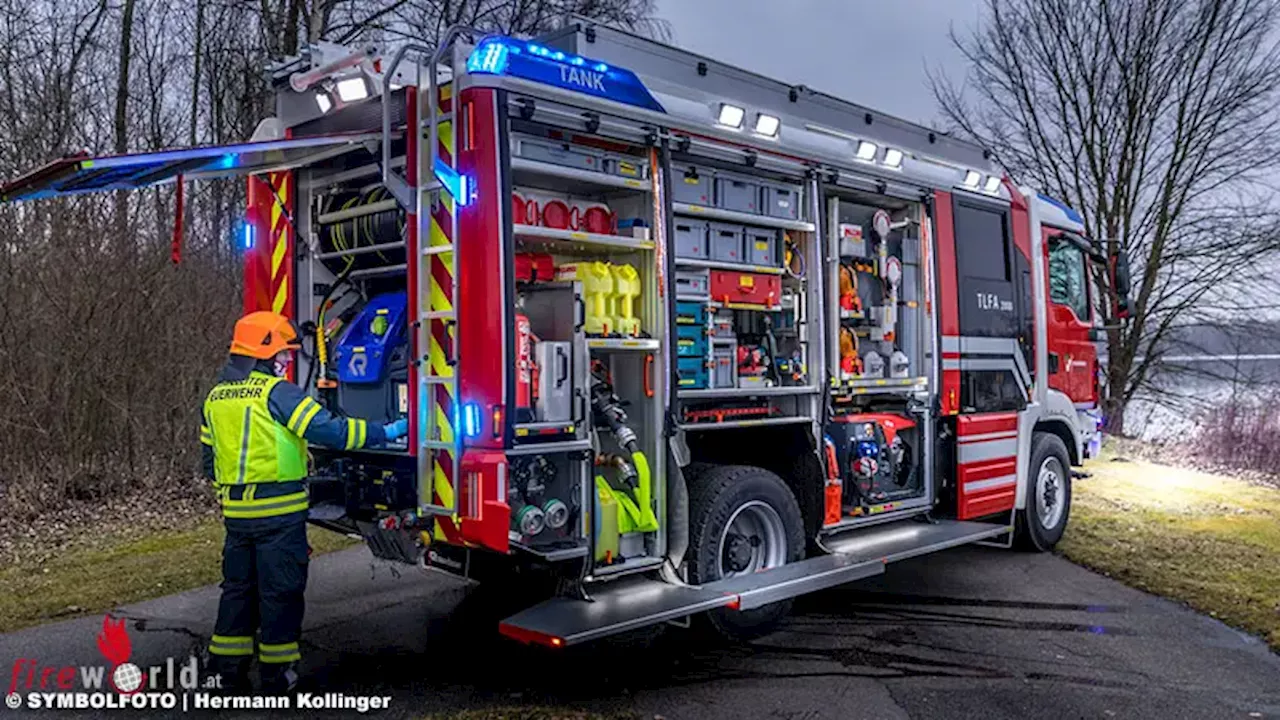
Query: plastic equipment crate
{"points": [[691, 341], [735, 192], [693, 283], [762, 247], [691, 185], [692, 373], [780, 200], [691, 314], [691, 239], [559, 153], [626, 166], [726, 242]]}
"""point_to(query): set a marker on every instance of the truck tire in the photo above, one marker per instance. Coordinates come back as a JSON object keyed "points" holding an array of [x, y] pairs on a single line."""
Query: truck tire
{"points": [[742, 519], [1041, 523]]}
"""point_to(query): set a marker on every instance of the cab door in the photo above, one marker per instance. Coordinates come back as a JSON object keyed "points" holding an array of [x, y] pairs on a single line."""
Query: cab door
{"points": [[1073, 356]]}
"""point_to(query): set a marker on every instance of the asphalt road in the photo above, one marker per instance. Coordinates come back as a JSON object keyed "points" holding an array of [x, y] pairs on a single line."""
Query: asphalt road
{"points": [[968, 633]]}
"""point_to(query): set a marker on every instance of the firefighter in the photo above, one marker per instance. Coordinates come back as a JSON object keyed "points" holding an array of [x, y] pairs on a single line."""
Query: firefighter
{"points": [[255, 430]]}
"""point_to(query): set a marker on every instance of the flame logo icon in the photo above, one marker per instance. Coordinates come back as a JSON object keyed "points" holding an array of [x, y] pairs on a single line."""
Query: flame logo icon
{"points": [[115, 646]]}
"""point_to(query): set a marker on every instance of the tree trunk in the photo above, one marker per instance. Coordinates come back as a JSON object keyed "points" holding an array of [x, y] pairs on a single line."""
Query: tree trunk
{"points": [[122, 116]]}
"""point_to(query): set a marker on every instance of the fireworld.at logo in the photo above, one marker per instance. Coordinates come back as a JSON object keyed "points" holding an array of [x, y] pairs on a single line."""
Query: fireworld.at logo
{"points": [[120, 675]]}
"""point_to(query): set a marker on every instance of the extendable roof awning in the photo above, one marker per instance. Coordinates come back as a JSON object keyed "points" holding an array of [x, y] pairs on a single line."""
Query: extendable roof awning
{"points": [[84, 174]]}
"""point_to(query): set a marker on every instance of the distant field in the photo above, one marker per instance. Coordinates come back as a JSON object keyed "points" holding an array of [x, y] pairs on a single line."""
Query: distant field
{"points": [[1209, 541]]}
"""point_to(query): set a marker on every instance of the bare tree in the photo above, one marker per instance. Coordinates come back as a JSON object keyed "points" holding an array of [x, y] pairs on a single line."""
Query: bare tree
{"points": [[1156, 120], [108, 347]]}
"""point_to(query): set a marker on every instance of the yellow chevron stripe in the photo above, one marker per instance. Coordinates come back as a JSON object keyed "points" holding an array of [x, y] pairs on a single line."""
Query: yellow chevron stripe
{"points": [[438, 366], [440, 299], [442, 421], [446, 135], [277, 305], [282, 243]]}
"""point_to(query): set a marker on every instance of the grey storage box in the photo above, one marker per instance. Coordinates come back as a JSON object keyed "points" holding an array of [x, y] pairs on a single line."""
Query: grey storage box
{"points": [[727, 242], [762, 247], [691, 185], [724, 365], [691, 239], [559, 153], [734, 192], [693, 283], [780, 201], [626, 166]]}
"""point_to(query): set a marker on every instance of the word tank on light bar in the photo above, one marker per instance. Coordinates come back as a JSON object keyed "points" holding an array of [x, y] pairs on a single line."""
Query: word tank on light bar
{"points": [[498, 55]]}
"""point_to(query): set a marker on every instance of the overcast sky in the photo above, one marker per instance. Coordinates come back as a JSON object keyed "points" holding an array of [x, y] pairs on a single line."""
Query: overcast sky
{"points": [[872, 52]]}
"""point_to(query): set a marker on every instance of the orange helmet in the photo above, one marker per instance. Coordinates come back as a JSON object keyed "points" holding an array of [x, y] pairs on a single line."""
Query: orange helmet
{"points": [[264, 334]]}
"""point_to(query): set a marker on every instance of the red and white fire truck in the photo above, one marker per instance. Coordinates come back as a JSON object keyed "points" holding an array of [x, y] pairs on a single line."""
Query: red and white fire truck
{"points": [[688, 339]]}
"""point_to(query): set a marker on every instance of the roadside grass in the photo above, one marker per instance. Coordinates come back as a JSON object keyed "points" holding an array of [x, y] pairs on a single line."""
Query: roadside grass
{"points": [[1209, 541], [119, 570]]}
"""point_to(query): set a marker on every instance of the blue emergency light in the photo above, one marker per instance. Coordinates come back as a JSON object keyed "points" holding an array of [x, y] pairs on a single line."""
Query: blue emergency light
{"points": [[500, 55]]}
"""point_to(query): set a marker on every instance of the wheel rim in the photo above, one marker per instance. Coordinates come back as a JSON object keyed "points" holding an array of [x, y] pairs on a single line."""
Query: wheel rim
{"points": [[1051, 493], [754, 539]]}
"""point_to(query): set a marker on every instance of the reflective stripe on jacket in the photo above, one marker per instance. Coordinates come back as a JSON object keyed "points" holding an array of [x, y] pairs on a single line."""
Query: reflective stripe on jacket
{"points": [[255, 430]]}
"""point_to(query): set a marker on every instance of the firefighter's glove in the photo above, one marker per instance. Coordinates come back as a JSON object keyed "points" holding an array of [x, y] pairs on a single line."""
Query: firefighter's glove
{"points": [[396, 430]]}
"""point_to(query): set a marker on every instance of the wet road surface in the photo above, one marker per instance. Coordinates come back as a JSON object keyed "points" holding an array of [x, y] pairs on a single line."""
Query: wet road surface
{"points": [[967, 633]]}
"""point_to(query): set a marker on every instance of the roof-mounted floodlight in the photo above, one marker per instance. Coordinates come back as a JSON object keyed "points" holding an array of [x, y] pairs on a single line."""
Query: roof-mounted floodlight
{"points": [[767, 125], [731, 115]]}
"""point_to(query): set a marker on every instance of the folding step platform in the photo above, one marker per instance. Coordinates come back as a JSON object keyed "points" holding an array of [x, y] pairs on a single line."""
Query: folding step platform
{"points": [[634, 603]]}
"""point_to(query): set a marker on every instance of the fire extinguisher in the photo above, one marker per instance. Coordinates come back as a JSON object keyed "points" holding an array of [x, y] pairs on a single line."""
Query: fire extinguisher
{"points": [[526, 370]]}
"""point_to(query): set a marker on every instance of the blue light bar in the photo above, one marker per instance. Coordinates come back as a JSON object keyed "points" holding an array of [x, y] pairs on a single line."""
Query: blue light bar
{"points": [[457, 185], [248, 235], [530, 61]]}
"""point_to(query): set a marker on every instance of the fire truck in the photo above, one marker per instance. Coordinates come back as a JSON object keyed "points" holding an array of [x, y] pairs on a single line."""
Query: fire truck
{"points": [[689, 340]]}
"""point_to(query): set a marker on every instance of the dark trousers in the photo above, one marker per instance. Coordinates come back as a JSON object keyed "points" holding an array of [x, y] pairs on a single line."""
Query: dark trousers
{"points": [[264, 570]]}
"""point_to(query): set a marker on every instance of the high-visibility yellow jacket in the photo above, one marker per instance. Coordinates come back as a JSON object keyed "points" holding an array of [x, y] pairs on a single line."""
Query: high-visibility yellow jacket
{"points": [[255, 431]]}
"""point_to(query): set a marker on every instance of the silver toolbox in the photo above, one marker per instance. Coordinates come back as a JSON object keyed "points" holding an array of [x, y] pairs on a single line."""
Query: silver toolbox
{"points": [[559, 153], [693, 283], [780, 200], [691, 185], [555, 381], [691, 238], [727, 242], [736, 192], [762, 247]]}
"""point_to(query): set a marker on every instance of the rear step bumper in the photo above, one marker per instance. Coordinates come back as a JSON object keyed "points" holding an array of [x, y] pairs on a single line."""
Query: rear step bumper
{"points": [[631, 604]]}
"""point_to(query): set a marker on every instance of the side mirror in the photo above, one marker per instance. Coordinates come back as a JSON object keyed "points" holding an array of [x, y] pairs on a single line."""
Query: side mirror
{"points": [[1121, 282]]}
